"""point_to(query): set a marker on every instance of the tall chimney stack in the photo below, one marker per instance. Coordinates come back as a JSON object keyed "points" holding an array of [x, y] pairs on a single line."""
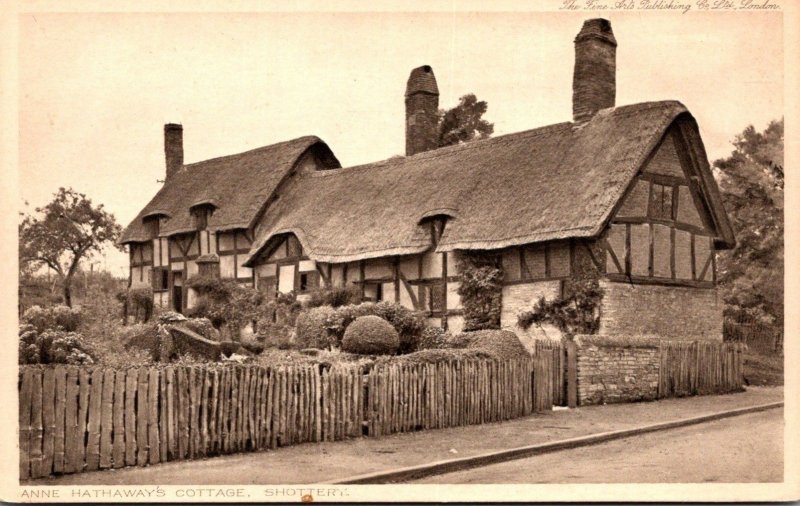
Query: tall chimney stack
{"points": [[594, 82], [422, 107], [173, 148]]}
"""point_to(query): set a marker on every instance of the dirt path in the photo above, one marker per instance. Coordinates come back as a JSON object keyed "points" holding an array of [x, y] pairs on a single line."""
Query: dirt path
{"points": [[320, 462], [747, 448]]}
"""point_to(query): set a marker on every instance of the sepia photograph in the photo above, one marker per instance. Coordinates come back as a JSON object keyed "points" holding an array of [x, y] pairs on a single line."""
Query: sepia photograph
{"points": [[298, 253]]}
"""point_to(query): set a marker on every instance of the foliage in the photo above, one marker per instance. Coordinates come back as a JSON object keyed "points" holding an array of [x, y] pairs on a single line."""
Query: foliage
{"points": [[52, 346], [409, 324], [64, 232], [143, 336], [370, 335], [325, 326], [139, 299], [751, 182], [464, 122], [202, 326], [480, 289], [576, 312], [277, 318], [496, 343], [333, 296], [433, 338], [319, 327], [434, 356], [51, 318], [225, 302]]}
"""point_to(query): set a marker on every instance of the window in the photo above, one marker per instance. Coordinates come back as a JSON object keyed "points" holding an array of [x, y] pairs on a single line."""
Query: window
{"points": [[268, 285], [432, 297], [152, 224], [661, 202], [373, 292], [308, 281], [160, 279]]}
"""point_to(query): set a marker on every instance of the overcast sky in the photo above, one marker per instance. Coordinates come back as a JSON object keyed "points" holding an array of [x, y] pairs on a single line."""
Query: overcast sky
{"points": [[95, 90]]}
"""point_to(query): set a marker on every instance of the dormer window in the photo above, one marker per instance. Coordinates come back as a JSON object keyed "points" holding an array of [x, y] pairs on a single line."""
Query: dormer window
{"points": [[152, 224], [201, 212]]}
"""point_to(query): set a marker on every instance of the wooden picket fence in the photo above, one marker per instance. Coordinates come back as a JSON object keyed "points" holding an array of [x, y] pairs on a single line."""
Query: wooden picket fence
{"points": [[697, 367], [74, 419]]}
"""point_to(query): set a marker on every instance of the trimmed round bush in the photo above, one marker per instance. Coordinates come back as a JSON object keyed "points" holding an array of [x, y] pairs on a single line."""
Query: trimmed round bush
{"points": [[498, 343], [370, 335]]}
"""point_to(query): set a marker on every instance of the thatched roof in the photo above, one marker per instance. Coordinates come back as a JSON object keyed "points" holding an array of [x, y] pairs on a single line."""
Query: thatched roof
{"points": [[556, 182], [237, 186]]}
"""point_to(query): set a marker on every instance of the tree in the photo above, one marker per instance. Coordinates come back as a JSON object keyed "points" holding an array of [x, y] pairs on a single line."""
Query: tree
{"points": [[464, 123], [751, 184], [65, 231]]}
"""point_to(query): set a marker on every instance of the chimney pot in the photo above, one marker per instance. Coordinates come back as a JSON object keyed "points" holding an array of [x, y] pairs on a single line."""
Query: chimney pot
{"points": [[422, 111], [173, 148], [594, 78]]}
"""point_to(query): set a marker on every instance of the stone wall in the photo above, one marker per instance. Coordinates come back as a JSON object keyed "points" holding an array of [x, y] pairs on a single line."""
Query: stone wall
{"points": [[669, 312], [616, 369], [521, 297]]}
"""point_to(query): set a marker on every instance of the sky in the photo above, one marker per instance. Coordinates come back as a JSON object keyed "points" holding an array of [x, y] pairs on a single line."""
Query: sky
{"points": [[96, 89]]}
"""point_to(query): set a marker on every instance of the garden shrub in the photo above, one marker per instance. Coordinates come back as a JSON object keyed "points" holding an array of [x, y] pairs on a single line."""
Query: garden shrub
{"points": [[202, 326], [53, 346], [433, 356], [225, 302], [139, 301], [253, 347], [319, 327], [334, 296], [481, 290], [408, 323], [433, 338], [52, 318], [142, 336], [370, 335], [498, 343]]}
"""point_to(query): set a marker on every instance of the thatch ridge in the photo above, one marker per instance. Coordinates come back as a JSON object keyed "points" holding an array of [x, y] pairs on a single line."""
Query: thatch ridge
{"points": [[238, 185], [555, 182]]}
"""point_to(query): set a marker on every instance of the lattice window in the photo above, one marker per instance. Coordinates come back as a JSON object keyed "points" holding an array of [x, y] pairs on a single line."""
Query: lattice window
{"points": [[661, 202]]}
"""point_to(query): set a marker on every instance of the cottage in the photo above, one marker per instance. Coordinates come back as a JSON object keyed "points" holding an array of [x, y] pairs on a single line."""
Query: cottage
{"points": [[626, 192]]}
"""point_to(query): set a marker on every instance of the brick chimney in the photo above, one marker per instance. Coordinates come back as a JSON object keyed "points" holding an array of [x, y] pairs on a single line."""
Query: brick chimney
{"points": [[594, 79], [173, 148], [422, 106]]}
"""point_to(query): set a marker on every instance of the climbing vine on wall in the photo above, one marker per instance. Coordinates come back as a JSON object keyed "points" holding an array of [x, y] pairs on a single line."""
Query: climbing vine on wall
{"points": [[577, 311], [480, 289]]}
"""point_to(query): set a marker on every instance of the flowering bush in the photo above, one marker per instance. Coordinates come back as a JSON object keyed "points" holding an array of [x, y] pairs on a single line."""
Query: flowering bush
{"points": [[54, 346], [54, 317]]}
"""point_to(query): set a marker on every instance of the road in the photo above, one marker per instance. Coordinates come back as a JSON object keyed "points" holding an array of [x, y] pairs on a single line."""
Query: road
{"points": [[747, 448]]}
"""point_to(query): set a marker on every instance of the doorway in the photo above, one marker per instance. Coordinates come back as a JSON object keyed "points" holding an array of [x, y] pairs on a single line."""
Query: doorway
{"points": [[177, 291]]}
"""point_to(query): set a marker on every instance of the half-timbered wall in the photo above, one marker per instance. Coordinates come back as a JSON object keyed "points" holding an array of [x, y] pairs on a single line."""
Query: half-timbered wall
{"points": [[420, 282], [531, 272], [659, 255], [662, 232], [167, 262]]}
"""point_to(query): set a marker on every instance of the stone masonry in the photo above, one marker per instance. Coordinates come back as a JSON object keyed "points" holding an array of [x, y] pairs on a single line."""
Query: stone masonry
{"points": [[668, 312], [611, 372]]}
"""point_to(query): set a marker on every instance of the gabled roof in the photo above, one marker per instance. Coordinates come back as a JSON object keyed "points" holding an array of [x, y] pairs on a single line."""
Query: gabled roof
{"points": [[556, 182], [238, 186]]}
